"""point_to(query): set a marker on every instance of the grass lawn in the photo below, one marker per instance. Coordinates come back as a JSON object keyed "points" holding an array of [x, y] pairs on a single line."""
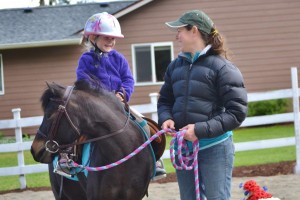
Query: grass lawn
{"points": [[254, 157], [244, 158]]}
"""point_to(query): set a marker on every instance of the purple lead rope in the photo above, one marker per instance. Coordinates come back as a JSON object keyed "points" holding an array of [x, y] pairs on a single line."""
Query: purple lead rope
{"points": [[135, 152], [183, 160]]}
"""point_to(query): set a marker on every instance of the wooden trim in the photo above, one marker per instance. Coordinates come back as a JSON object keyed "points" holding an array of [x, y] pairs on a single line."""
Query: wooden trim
{"points": [[76, 41], [132, 8]]}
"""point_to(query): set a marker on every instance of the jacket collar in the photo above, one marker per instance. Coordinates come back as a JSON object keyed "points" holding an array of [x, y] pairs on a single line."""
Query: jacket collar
{"points": [[191, 59]]}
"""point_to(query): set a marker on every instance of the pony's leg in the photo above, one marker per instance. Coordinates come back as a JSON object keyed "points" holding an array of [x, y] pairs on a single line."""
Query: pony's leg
{"points": [[73, 190], [55, 182]]}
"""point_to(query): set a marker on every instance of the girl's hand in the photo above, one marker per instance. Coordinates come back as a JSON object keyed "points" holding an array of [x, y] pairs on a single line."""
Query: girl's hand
{"points": [[190, 132], [120, 97], [169, 124]]}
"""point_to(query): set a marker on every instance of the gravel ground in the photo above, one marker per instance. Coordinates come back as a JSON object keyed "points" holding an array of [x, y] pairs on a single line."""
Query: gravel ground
{"points": [[285, 187]]}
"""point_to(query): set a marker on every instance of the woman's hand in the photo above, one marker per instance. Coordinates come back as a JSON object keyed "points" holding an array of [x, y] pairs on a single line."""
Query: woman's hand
{"points": [[169, 124], [190, 132]]}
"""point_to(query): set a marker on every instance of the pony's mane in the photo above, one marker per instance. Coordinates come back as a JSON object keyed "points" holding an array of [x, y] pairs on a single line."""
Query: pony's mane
{"points": [[95, 89], [92, 85], [98, 91], [56, 91]]}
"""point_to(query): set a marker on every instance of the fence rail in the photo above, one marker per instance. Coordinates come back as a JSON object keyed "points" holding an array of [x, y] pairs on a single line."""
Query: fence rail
{"points": [[19, 146]]}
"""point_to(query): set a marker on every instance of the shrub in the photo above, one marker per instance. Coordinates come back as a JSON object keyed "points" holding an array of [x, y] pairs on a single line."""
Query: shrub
{"points": [[268, 107]]}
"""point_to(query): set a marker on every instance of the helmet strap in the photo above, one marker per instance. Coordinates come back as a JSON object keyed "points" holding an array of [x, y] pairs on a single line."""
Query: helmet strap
{"points": [[97, 49]]}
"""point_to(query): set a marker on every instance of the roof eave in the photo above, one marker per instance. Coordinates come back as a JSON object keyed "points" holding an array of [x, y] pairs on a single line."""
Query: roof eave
{"points": [[129, 9], [132, 8], [75, 41]]}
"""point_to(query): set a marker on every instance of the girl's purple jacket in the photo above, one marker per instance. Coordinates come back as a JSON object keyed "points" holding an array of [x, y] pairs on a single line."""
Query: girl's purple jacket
{"points": [[110, 68]]}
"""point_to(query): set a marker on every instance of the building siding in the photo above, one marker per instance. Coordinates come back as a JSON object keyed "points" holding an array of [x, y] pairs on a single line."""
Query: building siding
{"points": [[26, 72], [262, 36]]}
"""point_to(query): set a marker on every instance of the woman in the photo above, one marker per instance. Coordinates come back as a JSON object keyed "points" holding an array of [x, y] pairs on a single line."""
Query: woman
{"points": [[204, 94]]}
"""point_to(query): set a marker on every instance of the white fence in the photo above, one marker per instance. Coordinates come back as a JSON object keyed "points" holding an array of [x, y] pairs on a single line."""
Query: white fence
{"points": [[18, 123]]}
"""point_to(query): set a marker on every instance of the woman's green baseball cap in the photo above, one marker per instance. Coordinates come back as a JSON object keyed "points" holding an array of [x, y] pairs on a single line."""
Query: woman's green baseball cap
{"points": [[194, 18]]}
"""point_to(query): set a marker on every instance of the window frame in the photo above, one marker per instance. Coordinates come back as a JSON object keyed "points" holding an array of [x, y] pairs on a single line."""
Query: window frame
{"points": [[153, 70], [2, 75]]}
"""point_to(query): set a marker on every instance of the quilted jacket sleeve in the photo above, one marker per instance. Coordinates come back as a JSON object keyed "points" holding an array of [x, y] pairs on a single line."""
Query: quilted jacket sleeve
{"points": [[233, 95]]}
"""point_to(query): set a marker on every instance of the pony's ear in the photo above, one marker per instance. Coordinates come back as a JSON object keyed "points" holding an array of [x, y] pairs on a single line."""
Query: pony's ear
{"points": [[48, 84], [55, 89], [51, 87]]}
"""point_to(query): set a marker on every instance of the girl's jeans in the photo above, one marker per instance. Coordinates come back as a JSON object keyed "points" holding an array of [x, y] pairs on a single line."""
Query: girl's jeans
{"points": [[215, 172]]}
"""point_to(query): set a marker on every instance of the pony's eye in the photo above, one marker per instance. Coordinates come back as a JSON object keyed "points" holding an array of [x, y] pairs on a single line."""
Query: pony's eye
{"points": [[48, 115], [50, 111]]}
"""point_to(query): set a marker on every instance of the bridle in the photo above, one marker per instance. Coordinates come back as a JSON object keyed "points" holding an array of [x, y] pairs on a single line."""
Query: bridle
{"points": [[52, 146]]}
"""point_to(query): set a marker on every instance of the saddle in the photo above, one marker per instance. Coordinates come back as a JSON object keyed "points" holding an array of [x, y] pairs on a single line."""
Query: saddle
{"points": [[159, 144]]}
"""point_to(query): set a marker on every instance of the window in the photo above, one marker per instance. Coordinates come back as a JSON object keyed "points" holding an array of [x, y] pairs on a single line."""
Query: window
{"points": [[1, 76], [150, 61]]}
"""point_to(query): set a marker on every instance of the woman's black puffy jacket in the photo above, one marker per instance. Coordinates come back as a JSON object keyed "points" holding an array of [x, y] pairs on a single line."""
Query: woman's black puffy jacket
{"points": [[209, 93]]}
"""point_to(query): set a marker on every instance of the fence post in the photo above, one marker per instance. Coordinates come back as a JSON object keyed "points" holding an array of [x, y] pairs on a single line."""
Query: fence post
{"points": [[153, 99], [296, 117], [18, 134]]}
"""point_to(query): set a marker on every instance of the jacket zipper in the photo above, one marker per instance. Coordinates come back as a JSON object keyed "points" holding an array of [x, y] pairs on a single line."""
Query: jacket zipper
{"points": [[186, 92]]}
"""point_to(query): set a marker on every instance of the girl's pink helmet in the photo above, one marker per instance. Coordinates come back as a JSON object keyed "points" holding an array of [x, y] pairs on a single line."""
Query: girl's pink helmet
{"points": [[103, 24]]}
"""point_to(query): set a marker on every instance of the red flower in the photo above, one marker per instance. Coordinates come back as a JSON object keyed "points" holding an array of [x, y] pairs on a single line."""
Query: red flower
{"points": [[255, 192], [250, 186]]}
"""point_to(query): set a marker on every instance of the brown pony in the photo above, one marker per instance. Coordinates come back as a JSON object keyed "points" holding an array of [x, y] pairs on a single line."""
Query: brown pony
{"points": [[99, 117]]}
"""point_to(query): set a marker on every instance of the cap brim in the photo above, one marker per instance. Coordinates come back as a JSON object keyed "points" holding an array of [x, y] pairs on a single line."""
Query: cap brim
{"points": [[175, 24]]}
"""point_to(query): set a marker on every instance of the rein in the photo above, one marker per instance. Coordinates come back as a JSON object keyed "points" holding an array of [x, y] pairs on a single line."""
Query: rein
{"points": [[98, 138], [135, 152], [52, 146], [112, 133]]}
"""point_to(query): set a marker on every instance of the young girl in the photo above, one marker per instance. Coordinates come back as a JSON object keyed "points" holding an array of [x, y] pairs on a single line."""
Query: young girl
{"points": [[106, 64], [102, 61]]}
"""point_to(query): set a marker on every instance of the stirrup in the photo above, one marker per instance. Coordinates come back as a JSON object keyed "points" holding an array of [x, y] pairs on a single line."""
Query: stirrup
{"points": [[162, 172], [62, 166], [155, 178]]}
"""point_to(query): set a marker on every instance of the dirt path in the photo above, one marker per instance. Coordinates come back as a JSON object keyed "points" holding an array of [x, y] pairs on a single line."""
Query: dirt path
{"points": [[285, 187]]}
